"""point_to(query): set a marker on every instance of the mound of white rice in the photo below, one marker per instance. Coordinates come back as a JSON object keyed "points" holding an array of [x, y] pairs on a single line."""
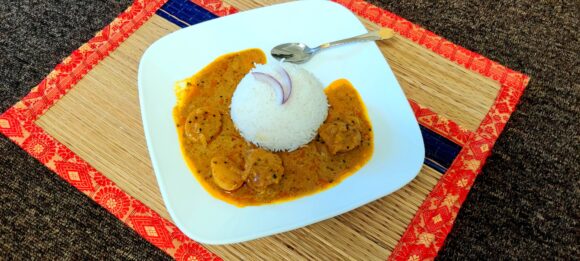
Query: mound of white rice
{"points": [[262, 120]]}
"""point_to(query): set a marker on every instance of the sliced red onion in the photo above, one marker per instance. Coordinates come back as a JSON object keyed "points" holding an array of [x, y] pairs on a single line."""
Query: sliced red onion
{"points": [[285, 81], [278, 72], [268, 79]]}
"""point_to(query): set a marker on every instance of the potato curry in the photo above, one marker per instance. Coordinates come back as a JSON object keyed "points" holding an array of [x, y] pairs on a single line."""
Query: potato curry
{"points": [[242, 174]]}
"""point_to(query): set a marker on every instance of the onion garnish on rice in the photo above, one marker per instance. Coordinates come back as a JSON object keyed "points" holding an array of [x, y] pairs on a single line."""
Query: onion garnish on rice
{"points": [[277, 72], [279, 106]]}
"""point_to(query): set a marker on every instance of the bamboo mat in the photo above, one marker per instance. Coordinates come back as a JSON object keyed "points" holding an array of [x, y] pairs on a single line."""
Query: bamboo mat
{"points": [[100, 121]]}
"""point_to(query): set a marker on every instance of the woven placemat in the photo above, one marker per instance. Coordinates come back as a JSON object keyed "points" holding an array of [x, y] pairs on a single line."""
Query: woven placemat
{"points": [[92, 137]]}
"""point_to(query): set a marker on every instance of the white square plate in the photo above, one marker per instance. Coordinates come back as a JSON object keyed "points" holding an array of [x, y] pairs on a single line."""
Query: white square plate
{"points": [[399, 150]]}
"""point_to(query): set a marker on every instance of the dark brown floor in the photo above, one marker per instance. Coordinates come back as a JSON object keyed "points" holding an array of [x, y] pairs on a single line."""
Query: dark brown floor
{"points": [[525, 205]]}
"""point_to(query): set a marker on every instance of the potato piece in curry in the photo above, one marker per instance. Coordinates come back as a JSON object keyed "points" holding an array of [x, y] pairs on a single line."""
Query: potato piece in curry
{"points": [[242, 174], [226, 174]]}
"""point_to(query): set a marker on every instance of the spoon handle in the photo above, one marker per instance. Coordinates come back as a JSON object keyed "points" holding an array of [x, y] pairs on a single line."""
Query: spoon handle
{"points": [[382, 34]]}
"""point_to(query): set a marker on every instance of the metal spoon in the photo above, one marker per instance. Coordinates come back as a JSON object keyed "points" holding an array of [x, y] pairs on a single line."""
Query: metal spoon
{"points": [[299, 52]]}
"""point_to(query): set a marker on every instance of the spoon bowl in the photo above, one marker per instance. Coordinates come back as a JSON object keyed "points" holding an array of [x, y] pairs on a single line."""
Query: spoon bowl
{"points": [[293, 52], [300, 52]]}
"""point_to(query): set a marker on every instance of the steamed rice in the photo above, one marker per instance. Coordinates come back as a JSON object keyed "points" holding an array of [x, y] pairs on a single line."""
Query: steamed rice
{"points": [[262, 120]]}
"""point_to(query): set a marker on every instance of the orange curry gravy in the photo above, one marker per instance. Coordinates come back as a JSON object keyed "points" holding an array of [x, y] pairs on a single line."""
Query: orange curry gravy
{"points": [[344, 143]]}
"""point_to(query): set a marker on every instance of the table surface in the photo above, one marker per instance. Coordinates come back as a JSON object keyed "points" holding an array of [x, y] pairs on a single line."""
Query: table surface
{"points": [[510, 203]]}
